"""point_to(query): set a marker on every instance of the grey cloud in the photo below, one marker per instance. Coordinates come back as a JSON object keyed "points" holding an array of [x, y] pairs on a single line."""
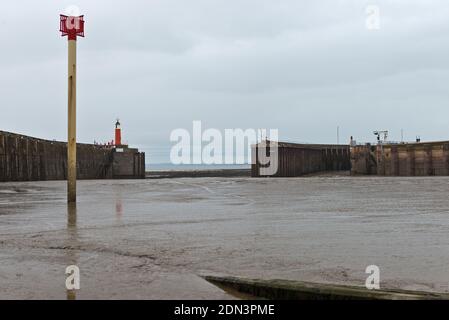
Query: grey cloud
{"points": [[301, 66]]}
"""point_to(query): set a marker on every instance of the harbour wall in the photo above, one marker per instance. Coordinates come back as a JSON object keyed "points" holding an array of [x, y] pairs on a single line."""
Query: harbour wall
{"points": [[402, 159], [363, 159], [300, 159], [24, 158]]}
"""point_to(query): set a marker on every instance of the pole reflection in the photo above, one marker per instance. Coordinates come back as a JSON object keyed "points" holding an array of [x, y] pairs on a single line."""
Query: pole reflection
{"points": [[72, 239], [118, 205]]}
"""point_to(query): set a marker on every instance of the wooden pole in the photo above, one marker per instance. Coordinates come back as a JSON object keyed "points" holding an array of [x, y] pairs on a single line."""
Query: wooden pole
{"points": [[71, 145]]}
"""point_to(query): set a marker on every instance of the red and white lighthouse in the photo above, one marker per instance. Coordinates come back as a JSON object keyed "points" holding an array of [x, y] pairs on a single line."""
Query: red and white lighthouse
{"points": [[118, 134]]}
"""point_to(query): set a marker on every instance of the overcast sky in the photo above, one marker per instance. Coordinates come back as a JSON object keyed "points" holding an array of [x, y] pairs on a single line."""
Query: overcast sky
{"points": [[303, 67]]}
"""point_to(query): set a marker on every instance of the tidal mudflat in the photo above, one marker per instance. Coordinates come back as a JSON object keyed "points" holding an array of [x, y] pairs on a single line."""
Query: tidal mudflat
{"points": [[152, 239]]}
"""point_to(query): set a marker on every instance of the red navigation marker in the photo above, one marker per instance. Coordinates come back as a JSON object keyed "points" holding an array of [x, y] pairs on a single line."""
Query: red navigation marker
{"points": [[71, 26]]}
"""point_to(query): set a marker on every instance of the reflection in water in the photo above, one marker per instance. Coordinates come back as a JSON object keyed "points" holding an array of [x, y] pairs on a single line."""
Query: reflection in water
{"points": [[72, 239], [71, 294], [71, 217], [118, 209], [118, 205]]}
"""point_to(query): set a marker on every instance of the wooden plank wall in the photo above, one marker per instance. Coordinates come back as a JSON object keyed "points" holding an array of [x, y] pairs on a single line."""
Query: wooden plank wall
{"points": [[25, 158], [300, 159]]}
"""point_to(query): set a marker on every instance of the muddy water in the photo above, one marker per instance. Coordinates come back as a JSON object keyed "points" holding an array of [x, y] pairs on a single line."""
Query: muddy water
{"points": [[151, 239]]}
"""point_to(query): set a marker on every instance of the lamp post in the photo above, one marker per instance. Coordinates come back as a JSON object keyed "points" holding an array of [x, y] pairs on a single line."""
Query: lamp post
{"points": [[72, 27]]}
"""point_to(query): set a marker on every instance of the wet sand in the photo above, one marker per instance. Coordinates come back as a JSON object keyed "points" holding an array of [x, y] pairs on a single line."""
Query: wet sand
{"points": [[151, 239], [218, 173]]}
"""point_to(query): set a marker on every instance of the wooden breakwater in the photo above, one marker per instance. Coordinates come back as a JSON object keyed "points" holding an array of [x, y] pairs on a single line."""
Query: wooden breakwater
{"points": [[295, 160], [383, 159], [24, 158]]}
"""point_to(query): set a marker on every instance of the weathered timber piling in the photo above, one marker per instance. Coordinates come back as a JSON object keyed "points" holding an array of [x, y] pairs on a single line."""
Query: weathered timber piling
{"points": [[295, 160], [24, 158]]}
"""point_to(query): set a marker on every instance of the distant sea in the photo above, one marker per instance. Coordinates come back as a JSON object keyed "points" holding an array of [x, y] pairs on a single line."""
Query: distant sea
{"points": [[193, 167]]}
